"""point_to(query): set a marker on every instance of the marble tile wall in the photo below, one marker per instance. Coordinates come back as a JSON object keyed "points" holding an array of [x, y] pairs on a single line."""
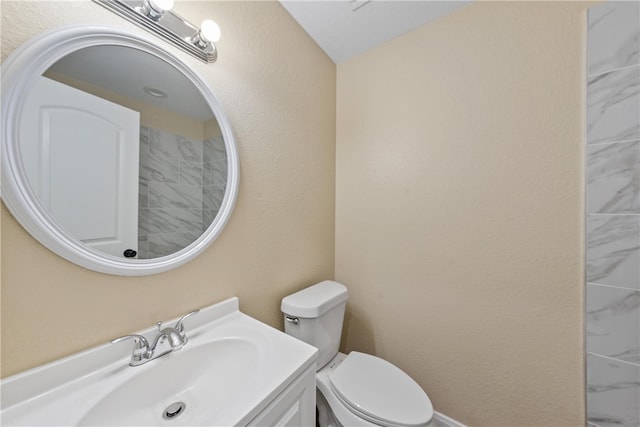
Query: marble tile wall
{"points": [[613, 215], [180, 190], [214, 178]]}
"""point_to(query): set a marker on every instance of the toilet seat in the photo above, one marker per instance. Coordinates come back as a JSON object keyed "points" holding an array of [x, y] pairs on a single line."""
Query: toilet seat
{"points": [[380, 392]]}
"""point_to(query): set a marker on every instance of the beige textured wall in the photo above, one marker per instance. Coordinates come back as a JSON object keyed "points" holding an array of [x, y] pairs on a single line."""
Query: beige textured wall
{"points": [[278, 89], [459, 224]]}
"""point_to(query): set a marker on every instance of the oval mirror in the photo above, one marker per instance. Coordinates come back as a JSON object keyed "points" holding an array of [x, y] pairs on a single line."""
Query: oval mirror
{"points": [[115, 154]]}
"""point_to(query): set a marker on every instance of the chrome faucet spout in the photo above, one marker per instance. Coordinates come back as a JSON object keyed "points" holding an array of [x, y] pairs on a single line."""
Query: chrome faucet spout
{"points": [[176, 340], [168, 339]]}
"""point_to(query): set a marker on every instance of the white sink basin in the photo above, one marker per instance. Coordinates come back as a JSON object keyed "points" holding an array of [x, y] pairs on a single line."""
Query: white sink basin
{"points": [[230, 369], [204, 379]]}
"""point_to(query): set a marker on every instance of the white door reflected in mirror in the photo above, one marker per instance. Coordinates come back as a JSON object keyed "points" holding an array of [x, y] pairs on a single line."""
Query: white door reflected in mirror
{"points": [[81, 152]]}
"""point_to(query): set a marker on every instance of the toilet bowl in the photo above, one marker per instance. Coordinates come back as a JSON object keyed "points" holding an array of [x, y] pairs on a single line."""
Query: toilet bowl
{"points": [[354, 389]]}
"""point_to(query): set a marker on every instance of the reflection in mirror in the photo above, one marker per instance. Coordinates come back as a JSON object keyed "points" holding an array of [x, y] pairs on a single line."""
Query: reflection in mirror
{"points": [[127, 156]]}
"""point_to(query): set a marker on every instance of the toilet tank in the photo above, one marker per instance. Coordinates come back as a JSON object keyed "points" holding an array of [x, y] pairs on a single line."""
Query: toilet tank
{"points": [[315, 315]]}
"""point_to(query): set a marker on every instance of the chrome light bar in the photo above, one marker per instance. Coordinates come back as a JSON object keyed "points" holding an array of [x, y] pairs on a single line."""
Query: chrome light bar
{"points": [[165, 24]]}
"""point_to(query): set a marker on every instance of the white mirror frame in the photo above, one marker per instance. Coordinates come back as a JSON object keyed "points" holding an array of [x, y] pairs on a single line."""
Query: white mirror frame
{"points": [[19, 73]]}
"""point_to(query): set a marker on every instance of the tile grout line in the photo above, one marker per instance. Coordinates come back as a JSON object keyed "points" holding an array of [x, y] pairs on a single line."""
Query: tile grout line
{"points": [[613, 214], [613, 287], [635, 365]]}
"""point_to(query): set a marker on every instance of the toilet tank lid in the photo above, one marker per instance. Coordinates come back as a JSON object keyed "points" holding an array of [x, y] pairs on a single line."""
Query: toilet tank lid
{"points": [[315, 300]]}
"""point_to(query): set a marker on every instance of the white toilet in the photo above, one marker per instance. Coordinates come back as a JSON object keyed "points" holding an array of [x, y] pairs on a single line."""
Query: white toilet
{"points": [[354, 389]]}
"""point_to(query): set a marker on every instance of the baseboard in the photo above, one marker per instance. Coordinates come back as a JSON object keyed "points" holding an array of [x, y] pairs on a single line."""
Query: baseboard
{"points": [[444, 421]]}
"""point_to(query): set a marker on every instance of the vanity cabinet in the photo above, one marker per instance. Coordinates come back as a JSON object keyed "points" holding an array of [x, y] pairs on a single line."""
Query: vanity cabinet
{"points": [[295, 406]]}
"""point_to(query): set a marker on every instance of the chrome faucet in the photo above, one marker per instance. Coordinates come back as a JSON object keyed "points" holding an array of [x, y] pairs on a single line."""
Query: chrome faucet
{"points": [[168, 339]]}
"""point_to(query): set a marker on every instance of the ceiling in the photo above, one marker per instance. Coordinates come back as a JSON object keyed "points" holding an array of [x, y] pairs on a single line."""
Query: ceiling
{"points": [[343, 32], [101, 66]]}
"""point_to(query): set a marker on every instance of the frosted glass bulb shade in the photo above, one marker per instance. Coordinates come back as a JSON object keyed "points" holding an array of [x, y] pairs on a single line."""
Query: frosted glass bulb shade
{"points": [[209, 31], [161, 5]]}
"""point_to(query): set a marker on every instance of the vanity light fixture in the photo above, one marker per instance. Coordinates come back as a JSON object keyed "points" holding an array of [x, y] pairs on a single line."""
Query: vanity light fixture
{"points": [[157, 17]]}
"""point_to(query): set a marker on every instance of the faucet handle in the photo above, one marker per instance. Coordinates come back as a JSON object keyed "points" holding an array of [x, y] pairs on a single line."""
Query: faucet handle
{"points": [[141, 349], [179, 327], [138, 340]]}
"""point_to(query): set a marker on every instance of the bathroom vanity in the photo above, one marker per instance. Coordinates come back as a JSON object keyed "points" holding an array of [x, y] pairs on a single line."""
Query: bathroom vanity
{"points": [[233, 371]]}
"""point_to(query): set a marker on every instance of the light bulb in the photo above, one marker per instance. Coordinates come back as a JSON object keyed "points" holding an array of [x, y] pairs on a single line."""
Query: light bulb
{"points": [[209, 31], [161, 5]]}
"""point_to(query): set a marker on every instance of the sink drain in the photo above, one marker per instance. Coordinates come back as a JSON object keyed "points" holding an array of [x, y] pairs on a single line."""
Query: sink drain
{"points": [[173, 410]]}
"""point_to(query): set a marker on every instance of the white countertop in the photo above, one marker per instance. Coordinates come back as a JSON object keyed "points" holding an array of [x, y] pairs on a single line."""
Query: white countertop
{"points": [[65, 392]]}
